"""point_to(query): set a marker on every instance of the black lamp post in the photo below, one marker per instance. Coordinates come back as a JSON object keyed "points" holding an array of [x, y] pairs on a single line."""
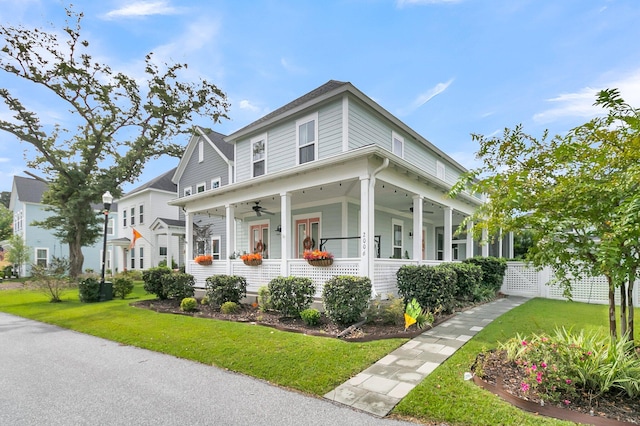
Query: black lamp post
{"points": [[107, 199]]}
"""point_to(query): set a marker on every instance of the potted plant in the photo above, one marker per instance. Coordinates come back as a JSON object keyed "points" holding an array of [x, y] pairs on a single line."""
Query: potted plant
{"points": [[252, 259], [204, 259], [318, 258]]}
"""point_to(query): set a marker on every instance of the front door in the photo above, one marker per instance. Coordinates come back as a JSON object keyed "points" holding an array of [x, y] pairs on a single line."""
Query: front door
{"points": [[307, 235], [259, 239]]}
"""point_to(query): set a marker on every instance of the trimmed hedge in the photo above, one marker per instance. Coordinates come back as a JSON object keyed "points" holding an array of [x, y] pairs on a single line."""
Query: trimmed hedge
{"points": [[468, 280], [152, 278], [493, 270], [345, 298], [122, 287], [432, 286], [225, 288], [291, 295], [178, 285]]}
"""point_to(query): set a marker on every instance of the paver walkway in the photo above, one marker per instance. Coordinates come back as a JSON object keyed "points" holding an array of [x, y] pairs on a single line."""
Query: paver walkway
{"points": [[380, 387]]}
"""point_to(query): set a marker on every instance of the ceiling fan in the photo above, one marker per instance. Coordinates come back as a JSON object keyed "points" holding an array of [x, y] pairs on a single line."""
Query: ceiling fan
{"points": [[259, 209], [423, 212]]}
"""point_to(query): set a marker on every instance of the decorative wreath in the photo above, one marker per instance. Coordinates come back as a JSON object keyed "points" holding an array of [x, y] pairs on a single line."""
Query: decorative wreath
{"points": [[259, 247], [308, 243]]}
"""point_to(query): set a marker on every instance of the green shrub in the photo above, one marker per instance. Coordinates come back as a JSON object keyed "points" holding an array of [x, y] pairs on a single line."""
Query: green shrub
{"points": [[310, 316], [178, 285], [89, 290], [434, 287], [229, 308], [204, 300], [345, 298], [53, 278], [225, 288], [188, 304], [291, 295], [134, 275], [122, 287], [264, 299], [152, 278], [388, 312], [468, 280], [493, 270]]}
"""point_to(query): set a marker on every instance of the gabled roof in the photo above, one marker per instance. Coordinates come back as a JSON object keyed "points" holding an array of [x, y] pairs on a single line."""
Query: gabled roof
{"points": [[29, 190], [217, 142], [160, 183]]}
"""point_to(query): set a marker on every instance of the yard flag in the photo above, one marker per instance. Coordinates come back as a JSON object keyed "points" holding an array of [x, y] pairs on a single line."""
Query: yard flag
{"points": [[136, 235]]}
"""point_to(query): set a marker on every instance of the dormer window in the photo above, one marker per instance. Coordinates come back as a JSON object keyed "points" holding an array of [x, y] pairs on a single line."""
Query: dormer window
{"points": [[307, 137], [397, 144], [201, 187], [258, 150]]}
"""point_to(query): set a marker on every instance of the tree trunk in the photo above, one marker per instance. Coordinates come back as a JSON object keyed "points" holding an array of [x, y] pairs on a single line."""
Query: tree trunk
{"points": [[623, 309], [612, 308], [76, 258]]}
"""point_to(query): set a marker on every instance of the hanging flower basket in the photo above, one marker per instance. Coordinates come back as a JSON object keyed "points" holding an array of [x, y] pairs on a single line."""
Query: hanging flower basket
{"points": [[254, 262], [252, 259], [320, 262], [205, 259]]}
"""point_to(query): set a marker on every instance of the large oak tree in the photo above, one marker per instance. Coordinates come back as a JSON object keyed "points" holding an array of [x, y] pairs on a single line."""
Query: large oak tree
{"points": [[577, 194], [119, 124]]}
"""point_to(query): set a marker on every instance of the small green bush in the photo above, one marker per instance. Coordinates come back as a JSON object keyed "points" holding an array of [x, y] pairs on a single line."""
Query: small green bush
{"points": [[225, 288], [178, 285], [134, 275], [122, 287], [345, 298], [434, 287], [152, 278], [188, 304], [264, 299], [229, 308], [291, 295], [310, 316], [468, 280], [493, 270], [204, 300], [89, 290], [388, 312]]}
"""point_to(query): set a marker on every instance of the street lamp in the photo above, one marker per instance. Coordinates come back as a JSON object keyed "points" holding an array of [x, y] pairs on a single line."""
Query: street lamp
{"points": [[107, 199]]}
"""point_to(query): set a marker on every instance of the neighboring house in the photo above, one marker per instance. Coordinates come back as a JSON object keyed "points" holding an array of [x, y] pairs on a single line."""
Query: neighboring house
{"points": [[331, 170], [26, 205], [155, 226]]}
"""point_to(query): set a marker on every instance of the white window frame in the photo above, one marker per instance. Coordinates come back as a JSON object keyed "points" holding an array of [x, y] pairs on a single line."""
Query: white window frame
{"points": [[141, 214], [187, 191], [216, 183], [263, 139], [440, 170], [132, 217], [133, 258], [111, 227], [37, 258], [310, 118], [200, 151], [396, 137], [141, 257], [216, 254], [201, 187], [124, 218], [394, 223]]}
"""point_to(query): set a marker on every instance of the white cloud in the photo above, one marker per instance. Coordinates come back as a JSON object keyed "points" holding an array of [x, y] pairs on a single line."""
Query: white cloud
{"points": [[402, 3], [425, 97], [247, 105], [143, 8], [289, 66], [580, 104]]}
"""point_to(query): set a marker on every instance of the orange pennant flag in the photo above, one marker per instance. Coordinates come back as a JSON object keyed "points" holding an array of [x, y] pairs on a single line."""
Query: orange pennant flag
{"points": [[136, 235]]}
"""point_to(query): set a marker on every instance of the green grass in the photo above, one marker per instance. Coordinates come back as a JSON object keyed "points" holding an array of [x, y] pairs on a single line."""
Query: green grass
{"points": [[313, 364]]}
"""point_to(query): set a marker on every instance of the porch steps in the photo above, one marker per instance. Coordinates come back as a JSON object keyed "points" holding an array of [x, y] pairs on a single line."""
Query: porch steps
{"points": [[380, 387]]}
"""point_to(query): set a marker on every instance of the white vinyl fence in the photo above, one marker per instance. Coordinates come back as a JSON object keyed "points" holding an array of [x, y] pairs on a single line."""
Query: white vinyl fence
{"points": [[523, 280]]}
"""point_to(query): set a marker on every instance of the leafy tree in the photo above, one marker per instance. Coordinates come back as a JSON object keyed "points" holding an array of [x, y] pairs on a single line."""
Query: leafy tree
{"points": [[6, 221], [19, 253], [119, 124], [5, 198], [577, 194]]}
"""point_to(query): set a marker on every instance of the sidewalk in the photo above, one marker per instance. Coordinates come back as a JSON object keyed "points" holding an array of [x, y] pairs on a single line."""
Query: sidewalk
{"points": [[380, 387]]}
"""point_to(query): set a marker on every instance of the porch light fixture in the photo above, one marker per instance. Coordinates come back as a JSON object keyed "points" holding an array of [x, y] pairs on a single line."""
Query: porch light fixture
{"points": [[107, 199], [279, 229]]}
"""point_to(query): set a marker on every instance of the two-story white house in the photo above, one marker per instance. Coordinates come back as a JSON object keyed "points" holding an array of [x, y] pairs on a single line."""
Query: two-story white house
{"points": [[331, 170]]}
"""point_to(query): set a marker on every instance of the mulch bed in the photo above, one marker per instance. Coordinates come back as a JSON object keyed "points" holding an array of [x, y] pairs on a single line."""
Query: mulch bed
{"points": [[503, 377]]}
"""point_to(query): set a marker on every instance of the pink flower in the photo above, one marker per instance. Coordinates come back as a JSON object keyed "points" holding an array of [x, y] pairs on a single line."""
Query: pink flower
{"points": [[566, 402], [524, 343], [539, 377], [589, 353], [524, 387], [568, 381], [543, 365], [533, 367]]}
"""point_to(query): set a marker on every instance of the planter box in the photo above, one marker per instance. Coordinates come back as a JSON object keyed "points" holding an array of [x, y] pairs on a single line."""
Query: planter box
{"points": [[255, 262], [205, 262], [320, 262]]}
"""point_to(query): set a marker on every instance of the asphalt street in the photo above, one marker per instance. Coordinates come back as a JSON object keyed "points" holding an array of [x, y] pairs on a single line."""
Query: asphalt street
{"points": [[54, 376]]}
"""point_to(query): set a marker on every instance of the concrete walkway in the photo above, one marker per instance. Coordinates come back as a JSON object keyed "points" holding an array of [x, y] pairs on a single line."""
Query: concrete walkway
{"points": [[380, 387]]}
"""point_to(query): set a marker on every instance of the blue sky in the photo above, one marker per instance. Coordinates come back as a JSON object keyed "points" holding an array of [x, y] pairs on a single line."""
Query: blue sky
{"points": [[447, 68]]}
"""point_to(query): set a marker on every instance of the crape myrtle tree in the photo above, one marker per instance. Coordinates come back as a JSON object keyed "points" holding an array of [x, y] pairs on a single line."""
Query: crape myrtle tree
{"points": [[121, 125], [577, 194]]}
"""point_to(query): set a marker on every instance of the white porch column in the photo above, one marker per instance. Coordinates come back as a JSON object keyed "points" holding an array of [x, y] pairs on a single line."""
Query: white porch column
{"points": [[231, 233], [188, 239], [448, 233], [511, 253], [485, 243], [417, 228], [285, 235], [469, 253], [500, 243], [367, 227], [430, 242], [169, 251], [155, 251]]}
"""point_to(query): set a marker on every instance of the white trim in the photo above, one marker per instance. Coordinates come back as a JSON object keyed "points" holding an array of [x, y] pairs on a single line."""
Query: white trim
{"points": [[36, 258], [440, 170], [202, 185], [141, 212], [345, 123], [200, 151], [262, 138], [301, 122], [218, 253], [215, 181], [187, 191], [400, 223], [394, 137]]}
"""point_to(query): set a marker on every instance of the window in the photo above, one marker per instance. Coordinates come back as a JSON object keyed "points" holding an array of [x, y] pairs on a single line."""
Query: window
{"points": [[440, 170], [187, 191], [141, 257], [124, 218], [215, 183], [307, 136], [307, 227], [42, 257], [397, 239], [397, 142], [201, 187], [163, 251], [133, 258], [140, 214], [110, 226], [215, 247], [258, 149], [200, 248], [200, 151], [18, 221], [133, 216]]}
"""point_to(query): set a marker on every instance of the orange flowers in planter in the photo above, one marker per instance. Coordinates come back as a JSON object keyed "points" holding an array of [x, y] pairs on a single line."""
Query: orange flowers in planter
{"points": [[204, 259], [252, 259], [317, 255]]}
